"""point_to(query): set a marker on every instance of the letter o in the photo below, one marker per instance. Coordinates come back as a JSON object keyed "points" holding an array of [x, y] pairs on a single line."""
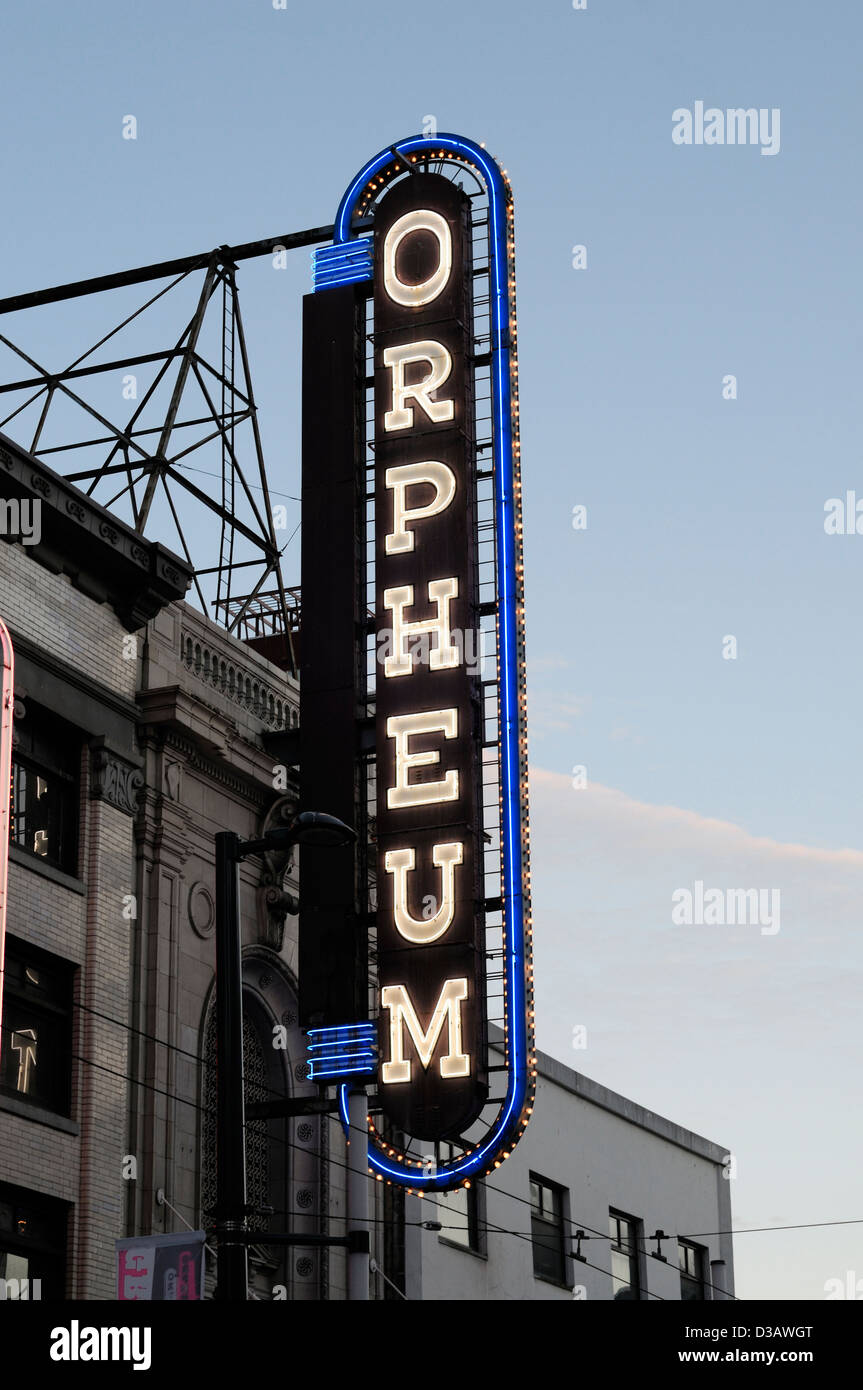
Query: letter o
{"points": [[412, 296]]}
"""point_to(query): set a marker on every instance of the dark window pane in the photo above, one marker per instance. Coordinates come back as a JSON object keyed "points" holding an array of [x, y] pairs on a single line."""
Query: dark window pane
{"points": [[621, 1271], [32, 1242], [45, 761], [546, 1222], [35, 1058], [624, 1257], [548, 1258], [691, 1262]]}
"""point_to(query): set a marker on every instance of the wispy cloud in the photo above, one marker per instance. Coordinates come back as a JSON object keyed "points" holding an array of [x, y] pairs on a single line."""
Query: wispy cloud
{"points": [[549, 712], [624, 824]]}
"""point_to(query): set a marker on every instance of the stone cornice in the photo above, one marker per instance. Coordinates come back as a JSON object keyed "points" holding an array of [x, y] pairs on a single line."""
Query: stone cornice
{"points": [[208, 742], [101, 554]]}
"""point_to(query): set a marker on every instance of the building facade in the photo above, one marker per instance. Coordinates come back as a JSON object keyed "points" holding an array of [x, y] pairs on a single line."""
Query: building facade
{"points": [[141, 730], [572, 1212], [75, 601]]}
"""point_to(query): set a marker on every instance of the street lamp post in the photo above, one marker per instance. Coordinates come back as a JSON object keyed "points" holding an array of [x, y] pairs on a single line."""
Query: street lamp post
{"points": [[310, 827], [230, 1103]]}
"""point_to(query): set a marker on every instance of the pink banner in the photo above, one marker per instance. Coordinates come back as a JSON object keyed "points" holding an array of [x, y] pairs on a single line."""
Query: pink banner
{"points": [[168, 1268], [7, 703]]}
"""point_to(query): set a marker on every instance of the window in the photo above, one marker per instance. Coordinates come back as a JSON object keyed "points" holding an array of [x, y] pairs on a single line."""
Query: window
{"points": [[273, 1155], [547, 1230], [690, 1258], [625, 1283], [458, 1209], [36, 1053], [46, 758], [255, 1090], [32, 1244]]}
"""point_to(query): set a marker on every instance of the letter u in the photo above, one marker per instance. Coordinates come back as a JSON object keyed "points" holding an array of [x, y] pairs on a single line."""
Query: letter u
{"points": [[399, 863]]}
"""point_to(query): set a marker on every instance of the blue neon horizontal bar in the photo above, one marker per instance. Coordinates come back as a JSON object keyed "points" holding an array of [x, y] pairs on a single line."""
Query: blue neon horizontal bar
{"points": [[364, 1027], [343, 1055], [328, 283], [342, 264], [340, 1072], [357, 252], [344, 1030]]}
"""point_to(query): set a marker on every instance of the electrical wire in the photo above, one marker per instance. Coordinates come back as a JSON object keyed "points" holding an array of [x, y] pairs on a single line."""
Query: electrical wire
{"points": [[573, 1223], [528, 1236], [751, 1230], [500, 1230], [255, 486]]}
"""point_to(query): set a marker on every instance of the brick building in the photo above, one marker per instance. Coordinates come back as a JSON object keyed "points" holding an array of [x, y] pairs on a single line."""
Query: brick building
{"points": [[141, 729], [76, 602]]}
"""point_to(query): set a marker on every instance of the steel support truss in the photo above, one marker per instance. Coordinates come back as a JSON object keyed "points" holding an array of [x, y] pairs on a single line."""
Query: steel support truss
{"points": [[199, 406]]}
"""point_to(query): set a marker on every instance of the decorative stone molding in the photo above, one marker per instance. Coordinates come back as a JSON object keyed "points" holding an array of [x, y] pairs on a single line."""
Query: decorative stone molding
{"points": [[202, 910], [219, 668], [205, 741], [172, 780], [274, 903], [113, 779]]}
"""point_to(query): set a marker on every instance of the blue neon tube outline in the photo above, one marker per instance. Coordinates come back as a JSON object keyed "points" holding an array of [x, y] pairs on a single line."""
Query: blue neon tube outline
{"points": [[467, 1166]]}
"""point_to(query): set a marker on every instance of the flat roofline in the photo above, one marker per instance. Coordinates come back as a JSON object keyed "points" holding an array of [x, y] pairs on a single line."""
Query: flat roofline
{"points": [[582, 1086]]}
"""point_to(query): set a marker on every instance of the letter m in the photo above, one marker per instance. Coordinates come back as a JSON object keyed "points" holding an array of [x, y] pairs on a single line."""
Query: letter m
{"points": [[737, 121], [115, 1343], [403, 1015], [742, 907]]}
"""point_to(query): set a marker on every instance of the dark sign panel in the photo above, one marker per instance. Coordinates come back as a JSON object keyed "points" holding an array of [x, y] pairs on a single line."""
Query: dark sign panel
{"points": [[429, 911], [333, 966]]}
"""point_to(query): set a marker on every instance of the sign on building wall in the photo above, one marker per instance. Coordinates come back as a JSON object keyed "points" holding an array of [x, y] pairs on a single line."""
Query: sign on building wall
{"points": [[428, 701], [422, 268], [161, 1268], [7, 705]]}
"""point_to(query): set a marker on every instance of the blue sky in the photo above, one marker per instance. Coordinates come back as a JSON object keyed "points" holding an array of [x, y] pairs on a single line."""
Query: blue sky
{"points": [[705, 516]]}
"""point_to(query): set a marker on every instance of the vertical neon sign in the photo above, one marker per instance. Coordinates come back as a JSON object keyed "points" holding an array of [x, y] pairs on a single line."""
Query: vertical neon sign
{"points": [[426, 364], [428, 704]]}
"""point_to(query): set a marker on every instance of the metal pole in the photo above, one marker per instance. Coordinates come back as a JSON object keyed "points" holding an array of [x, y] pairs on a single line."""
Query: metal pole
{"points": [[181, 266], [232, 1282], [718, 1280], [358, 1195]]}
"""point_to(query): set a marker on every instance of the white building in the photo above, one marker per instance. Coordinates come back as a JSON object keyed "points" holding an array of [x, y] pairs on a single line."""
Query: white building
{"points": [[590, 1161]]}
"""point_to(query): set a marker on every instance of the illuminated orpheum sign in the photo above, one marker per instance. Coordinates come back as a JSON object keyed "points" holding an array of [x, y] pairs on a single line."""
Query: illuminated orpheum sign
{"points": [[428, 704], [422, 269]]}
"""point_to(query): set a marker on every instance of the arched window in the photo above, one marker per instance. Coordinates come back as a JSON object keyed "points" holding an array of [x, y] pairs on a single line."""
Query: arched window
{"points": [[267, 1162], [283, 1154]]}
